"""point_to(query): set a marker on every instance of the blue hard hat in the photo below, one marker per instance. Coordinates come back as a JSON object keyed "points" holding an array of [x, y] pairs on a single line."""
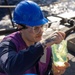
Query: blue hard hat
{"points": [[28, 13]]}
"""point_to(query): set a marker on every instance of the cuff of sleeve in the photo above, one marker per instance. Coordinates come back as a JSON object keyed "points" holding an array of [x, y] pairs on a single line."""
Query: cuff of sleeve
{"points": [[38, 48]]}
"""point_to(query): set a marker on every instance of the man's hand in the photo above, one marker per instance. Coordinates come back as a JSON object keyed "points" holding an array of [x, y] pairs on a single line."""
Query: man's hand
{"points": [[54, 38], [57, 70]]}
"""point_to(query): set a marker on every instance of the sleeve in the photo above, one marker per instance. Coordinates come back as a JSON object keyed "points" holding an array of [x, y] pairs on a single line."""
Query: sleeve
{"points": [[15, 63]]}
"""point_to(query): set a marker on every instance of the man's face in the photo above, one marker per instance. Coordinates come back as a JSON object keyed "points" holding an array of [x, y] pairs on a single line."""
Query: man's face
{"points": [[33, 34]]}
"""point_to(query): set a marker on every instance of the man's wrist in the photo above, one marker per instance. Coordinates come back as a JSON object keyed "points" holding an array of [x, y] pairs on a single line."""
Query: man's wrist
{"points": [[43, 43], [47, 42]]}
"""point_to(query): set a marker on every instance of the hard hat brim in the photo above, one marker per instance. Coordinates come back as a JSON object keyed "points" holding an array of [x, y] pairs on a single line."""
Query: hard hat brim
{"points": [[32, 23]]}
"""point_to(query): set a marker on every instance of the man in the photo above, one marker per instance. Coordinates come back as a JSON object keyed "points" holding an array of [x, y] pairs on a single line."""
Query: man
{"points": [[22, 52]]}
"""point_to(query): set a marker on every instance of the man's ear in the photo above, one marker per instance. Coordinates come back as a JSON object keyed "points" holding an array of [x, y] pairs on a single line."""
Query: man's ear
{"points": [[19, 27]]}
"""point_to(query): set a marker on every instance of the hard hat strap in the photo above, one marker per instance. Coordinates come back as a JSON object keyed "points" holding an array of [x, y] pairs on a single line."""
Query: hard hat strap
{"points": [[23, 27]]}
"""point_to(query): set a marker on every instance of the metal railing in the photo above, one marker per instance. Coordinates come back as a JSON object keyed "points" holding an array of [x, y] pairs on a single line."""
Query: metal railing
{"points": [[9, 9], [7, 6]]}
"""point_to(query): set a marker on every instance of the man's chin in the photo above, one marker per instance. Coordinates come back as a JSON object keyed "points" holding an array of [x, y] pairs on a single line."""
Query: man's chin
{"points": [[38, 39]]}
